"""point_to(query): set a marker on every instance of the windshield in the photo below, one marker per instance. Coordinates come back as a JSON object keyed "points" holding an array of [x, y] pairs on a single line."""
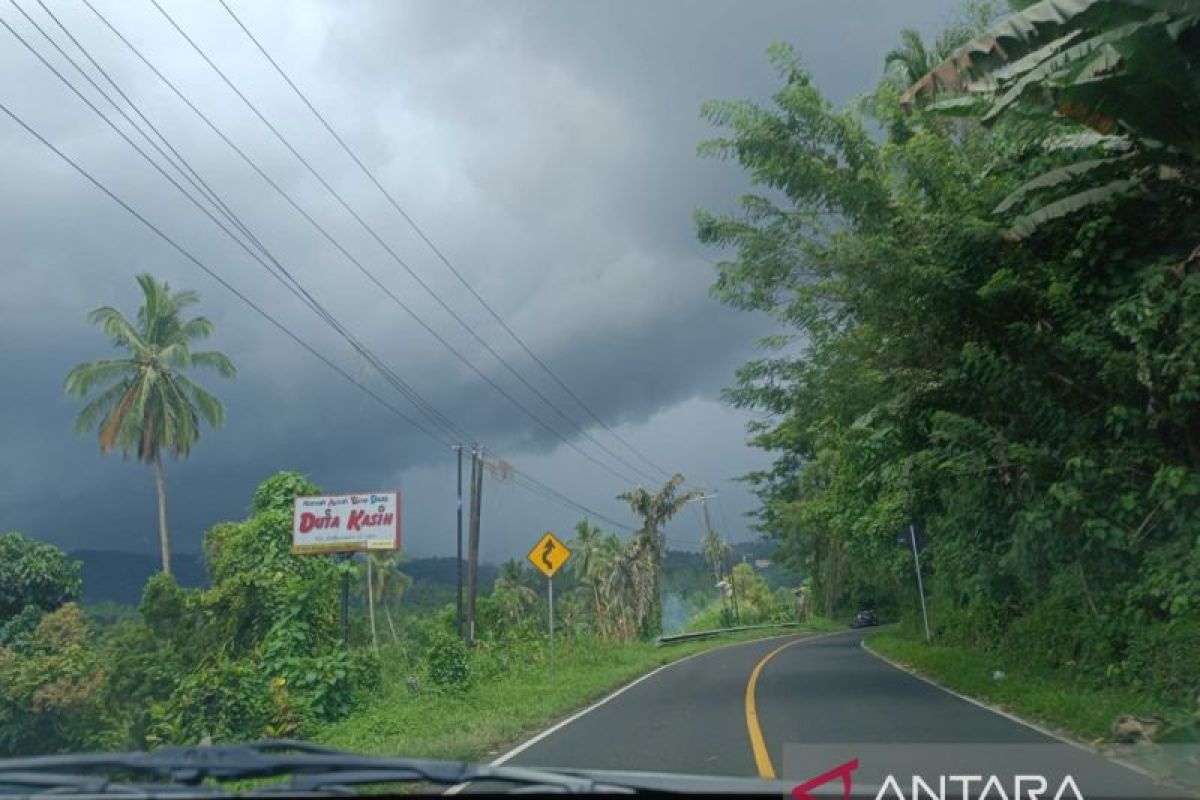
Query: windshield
{"points": [[795, 391]]}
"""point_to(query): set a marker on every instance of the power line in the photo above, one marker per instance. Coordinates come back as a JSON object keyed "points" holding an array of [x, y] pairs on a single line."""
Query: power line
{"points": [[297, 289], [428, 289], [437, 251], [543, 489], [188, 255], [526, 481], [546, 492], [349, 256]]}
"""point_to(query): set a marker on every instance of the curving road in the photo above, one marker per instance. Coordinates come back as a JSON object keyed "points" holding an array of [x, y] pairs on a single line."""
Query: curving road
{"points": [[794, 707]]}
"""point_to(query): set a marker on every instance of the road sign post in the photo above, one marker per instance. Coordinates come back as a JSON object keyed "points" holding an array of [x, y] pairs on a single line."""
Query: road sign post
{"points": [[912, 541], [549, 555]]}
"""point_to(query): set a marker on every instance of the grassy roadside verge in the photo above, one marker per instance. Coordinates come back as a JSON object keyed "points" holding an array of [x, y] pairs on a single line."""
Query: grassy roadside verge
{"points": [[1056, 700], [502, 708]]}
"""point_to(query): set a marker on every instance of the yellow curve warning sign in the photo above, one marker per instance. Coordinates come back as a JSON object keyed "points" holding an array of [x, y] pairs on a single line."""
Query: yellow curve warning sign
{"points": [[549, 554]]}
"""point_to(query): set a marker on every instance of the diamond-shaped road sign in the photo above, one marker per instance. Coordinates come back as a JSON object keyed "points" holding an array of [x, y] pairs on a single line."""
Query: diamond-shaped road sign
{"points": [[549, 554]]}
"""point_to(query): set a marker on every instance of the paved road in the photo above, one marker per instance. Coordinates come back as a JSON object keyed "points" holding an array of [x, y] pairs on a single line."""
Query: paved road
{"points": [[819, 702]]}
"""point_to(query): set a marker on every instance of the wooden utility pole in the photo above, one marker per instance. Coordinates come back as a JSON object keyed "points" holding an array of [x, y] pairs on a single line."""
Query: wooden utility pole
{"points": [[473, 540]]}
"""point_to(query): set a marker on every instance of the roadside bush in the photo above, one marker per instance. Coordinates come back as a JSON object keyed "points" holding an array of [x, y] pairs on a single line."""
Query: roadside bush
{"points": [[225, 700], [448, 662], [143, 670], [1166, 659], [51, 692]]}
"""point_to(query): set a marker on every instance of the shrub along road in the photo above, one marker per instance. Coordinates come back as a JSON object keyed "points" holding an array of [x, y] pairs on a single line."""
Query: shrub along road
{"points": [[782, 707]]}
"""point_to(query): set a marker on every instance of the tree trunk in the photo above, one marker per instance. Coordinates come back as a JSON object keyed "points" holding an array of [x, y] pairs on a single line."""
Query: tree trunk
{"points": [[388, 616], [163, 536]]}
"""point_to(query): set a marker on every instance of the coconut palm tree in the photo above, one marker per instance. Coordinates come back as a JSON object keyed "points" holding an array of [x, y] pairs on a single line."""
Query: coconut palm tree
{"points": [[511, 589], [647, 547], [588, 564], [145, 403], [618, 587]]}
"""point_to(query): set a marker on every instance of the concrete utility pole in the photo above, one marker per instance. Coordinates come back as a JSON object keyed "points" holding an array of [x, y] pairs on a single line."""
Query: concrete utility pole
{"points": [[704, 498], [473, 540], [458, 564]]}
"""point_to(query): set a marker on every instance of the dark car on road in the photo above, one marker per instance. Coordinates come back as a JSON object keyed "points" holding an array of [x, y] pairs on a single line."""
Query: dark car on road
{"points": [[865, 619]]}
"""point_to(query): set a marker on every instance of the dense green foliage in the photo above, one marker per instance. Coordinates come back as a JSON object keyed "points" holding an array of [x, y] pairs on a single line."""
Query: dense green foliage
{"points": [[52, 687], [1126, 69], [146, 403], [34, 576], [1033, 405], [257, 653]]}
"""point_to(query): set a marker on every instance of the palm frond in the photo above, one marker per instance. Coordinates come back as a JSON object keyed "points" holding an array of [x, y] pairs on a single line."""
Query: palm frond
{"points": [[119, 330], [115, 421], [177, 355], [208, 406], [100, 406], [197, 328], [83, 378], [184, 298], [155, 301], [210, 359]]}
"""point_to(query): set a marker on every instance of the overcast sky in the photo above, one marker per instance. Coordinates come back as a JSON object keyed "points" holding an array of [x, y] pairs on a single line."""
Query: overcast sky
{"points": [[547, 148]]}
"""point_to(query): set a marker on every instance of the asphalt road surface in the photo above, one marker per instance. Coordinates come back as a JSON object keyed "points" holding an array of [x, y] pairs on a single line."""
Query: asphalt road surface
{"points": [[795, 707]]}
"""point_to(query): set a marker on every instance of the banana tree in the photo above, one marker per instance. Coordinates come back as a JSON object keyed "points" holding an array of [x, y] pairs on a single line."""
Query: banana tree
{"points": [[647, 546], [1116, 82]]}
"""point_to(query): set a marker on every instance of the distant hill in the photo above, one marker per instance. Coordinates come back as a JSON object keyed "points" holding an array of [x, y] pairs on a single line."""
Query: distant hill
{"points": [[114, 576]]}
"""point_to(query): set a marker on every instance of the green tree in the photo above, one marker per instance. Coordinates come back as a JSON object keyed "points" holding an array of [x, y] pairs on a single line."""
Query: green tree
{"points": [[146, 403], [51, 689], [36, 574], [590, 565], [1032, 403], [647, 546], [1112, 85]]}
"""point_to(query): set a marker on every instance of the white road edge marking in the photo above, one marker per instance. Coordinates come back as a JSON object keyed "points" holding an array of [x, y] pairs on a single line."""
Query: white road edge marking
{"points": [[530, 742], [1087, 748]]}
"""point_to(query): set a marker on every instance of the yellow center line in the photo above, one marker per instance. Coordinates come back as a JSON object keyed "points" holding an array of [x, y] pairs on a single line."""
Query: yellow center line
{"points": [[762, 759]]}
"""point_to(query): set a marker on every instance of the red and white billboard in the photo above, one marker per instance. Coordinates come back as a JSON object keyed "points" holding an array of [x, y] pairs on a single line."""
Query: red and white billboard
{"points": [[346, 523]]}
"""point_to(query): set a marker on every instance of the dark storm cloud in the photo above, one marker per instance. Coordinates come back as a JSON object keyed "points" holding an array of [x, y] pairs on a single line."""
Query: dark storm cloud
{"points": [[549, 149]]}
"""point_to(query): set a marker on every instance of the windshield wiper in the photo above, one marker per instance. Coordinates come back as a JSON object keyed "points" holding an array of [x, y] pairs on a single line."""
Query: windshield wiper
{"points": [[190, 772]]}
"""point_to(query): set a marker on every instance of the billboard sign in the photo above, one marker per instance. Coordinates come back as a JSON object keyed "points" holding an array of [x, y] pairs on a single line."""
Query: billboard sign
{"points": [[346, 523]]}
